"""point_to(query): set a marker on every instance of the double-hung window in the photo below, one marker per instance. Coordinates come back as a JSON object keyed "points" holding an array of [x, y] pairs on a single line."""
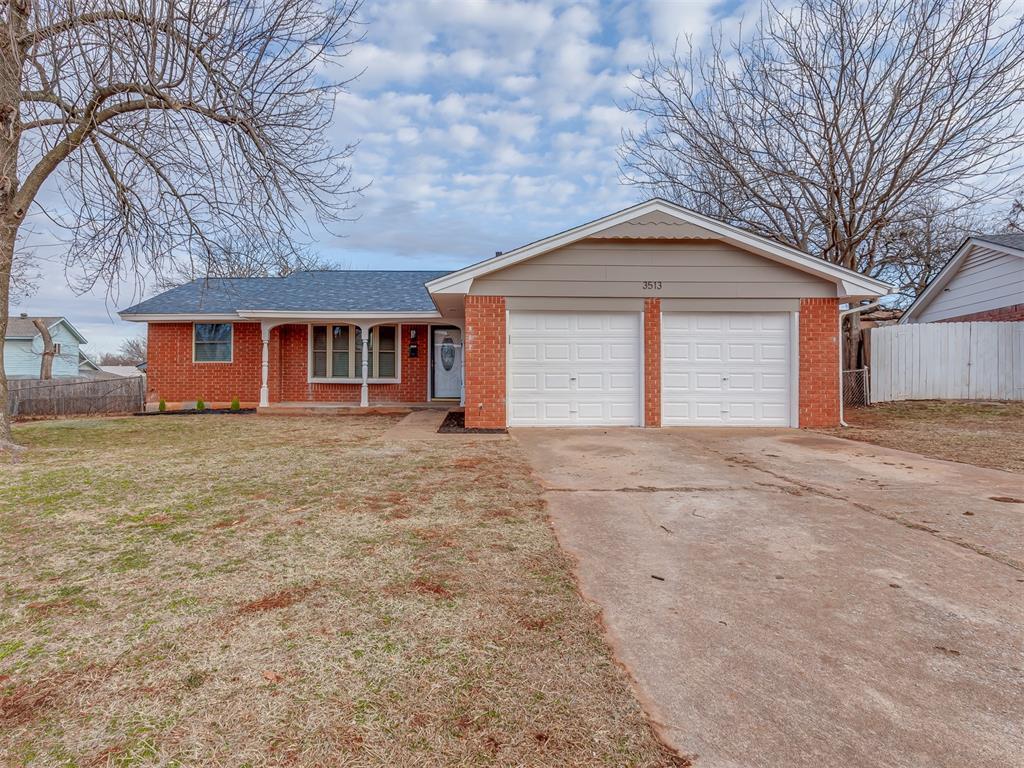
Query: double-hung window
{"points": [[336, 352], [211, 342]]}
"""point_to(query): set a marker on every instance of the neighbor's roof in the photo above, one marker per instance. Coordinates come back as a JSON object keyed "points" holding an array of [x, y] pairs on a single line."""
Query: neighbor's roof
{"points": [[22, 327], [319, 291], [1009, 240], [19, 327]]}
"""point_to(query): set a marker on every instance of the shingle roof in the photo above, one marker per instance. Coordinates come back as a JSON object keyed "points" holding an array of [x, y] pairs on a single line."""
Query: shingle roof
{"points": [[19, 327], [1010, 240], [323, 291]]}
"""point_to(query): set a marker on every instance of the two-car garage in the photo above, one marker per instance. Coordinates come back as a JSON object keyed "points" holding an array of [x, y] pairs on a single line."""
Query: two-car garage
{"points": [[652, 316], [586, 368]]}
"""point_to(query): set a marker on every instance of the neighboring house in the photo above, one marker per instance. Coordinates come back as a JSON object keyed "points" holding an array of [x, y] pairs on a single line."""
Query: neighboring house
{"points": [[651, 316], [23, 348], [122, 371], [85, 365], [984, 281]]}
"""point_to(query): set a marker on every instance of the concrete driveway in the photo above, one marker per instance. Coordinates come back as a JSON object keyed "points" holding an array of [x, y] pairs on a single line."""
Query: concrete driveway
{"points": [[787, 599]]}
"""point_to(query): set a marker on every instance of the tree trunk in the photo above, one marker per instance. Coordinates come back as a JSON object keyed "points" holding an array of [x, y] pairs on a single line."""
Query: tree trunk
{"points": [[851, 351], [6, 262], [12, 62], [46, 366]]}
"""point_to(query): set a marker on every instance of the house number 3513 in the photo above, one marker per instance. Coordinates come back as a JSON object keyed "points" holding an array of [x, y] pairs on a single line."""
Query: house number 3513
{"points": [[651, 285]]}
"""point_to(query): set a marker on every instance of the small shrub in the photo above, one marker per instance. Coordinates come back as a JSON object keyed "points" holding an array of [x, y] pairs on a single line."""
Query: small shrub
{"points": [[200, 405], [235, 405], [163, 405]]}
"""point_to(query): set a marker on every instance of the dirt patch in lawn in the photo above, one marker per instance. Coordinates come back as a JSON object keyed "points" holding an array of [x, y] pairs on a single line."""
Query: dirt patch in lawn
{"points": [[986, 434], [293, 591]]}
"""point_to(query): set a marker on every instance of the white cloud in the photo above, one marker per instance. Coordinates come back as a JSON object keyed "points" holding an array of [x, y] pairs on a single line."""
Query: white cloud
{"points": [[465, 135], [482, 125]]}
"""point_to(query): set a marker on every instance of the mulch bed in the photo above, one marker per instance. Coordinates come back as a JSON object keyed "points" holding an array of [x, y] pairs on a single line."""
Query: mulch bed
{"points": [[455, 424], [193, 412]]}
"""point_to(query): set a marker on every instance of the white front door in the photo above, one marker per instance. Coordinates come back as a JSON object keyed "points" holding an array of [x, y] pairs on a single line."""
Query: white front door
{"points": [[574, 368], [446, 353], [726, 368]]}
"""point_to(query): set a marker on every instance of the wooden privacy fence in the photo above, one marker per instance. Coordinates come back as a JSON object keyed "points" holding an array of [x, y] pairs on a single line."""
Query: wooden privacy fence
{"points": [[948, 361], [28, 398]]}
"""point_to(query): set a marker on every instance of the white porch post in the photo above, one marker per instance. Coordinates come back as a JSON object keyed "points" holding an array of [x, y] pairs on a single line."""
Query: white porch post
{"points": [[364, 390], [265, 367]]}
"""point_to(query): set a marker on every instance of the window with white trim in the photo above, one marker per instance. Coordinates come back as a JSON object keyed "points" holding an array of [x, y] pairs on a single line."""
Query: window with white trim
{"points": [[211, 342], [336, 352]]}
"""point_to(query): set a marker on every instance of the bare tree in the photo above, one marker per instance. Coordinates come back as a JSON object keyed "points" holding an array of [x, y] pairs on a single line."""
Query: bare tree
{"points": [[912, 251], [835, 125], [168, 124], [135, 349], [131, 352], [1015, 218], [46, 357], [244, 255]]}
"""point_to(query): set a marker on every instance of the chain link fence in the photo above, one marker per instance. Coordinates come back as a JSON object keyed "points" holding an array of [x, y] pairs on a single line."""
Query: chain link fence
{"points": [[857, 387]]}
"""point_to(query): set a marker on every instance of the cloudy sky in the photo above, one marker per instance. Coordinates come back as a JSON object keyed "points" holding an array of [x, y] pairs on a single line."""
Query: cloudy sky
{"points": [[483, 125]]}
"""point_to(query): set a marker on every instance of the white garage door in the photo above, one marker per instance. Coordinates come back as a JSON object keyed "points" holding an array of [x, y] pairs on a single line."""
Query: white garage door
{"points": [[574, 368], [726, 368]]}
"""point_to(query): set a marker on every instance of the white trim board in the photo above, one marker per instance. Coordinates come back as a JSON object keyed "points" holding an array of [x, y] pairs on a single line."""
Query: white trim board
{"points": [[849, 284]]}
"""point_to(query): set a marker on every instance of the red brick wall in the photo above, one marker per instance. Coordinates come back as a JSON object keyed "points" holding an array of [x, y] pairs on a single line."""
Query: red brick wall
{"points": [[485, 361], [172, 376], [652, 363], [292, 363], [1012, 312], [819, 362], [175, 378]]}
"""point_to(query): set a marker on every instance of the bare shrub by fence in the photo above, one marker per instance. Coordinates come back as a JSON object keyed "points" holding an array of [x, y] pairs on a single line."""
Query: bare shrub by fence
{"points": [[31, 398], [948, 361]]}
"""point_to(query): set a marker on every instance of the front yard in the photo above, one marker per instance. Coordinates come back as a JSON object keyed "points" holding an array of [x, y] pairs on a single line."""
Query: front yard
{"points": [[980, 433], [256, 591]]}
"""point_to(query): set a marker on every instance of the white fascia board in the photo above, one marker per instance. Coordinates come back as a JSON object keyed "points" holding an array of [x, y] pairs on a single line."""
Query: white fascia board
{"points": [[939, 281], [845, 279], [183, 318], [258, 314]]}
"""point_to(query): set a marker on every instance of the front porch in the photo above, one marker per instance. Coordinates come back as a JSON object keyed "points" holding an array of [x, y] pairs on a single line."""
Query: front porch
{"points": [[357, 364]]}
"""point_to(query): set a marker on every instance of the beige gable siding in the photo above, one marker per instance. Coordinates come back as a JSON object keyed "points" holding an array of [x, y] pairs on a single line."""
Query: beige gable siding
{"points": [[686, 269], [656, 225], [987, 279]]}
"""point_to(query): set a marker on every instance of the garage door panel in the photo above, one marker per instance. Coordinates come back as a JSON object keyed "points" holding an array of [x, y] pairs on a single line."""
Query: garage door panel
{"points": [[594, 382], [726, 369], [708, 352], [588, 370], [741, 382], [707, 382], [524, 382]]}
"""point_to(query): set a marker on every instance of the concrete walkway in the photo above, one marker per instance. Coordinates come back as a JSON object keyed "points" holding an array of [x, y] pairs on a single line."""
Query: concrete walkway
{"points": [[423, 425], [789, 599]]}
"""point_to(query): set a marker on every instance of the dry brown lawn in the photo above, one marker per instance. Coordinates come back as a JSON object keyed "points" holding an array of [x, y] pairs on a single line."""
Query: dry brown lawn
{"points": [[985, 434], [252, 591]]}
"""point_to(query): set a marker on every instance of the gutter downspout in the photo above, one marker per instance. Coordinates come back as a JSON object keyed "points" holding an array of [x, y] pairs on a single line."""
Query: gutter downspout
{"points": [[842, 316]]}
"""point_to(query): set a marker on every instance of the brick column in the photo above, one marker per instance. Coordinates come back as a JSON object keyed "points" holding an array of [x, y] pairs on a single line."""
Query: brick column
{"points": [[485, 361], [819, 362], [652, 362]]}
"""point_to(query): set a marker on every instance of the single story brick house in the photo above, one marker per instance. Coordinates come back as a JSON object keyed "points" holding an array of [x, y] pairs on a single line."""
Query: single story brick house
{"points": [[982, 282], [652, 316]]}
